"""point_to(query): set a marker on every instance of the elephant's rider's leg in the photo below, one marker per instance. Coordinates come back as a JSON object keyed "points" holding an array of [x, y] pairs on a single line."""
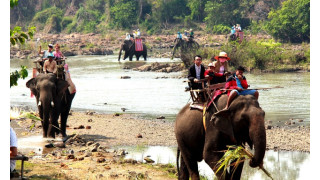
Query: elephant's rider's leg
{"points": [[256, 95], [233, 94]]}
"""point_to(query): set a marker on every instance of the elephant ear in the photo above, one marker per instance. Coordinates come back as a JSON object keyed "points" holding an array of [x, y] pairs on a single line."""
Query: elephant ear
{"points": [[223, 122], [61, 87], [32, 84]]}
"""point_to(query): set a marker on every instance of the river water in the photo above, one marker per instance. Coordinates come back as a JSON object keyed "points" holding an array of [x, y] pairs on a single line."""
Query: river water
{"points": [[99, 88]]}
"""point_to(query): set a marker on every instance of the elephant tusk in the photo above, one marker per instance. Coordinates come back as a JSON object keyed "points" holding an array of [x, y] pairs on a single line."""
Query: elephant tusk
{"points": [[52, 104], [39, 104]]}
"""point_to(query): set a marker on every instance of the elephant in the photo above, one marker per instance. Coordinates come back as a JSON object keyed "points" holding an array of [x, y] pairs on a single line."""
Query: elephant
{"points": [[184, 45], [129, 50], [242, 123], [53, 99]]}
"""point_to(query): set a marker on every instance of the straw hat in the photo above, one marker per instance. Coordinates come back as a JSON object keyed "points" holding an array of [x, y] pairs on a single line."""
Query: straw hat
{"points": [[222, 54]]}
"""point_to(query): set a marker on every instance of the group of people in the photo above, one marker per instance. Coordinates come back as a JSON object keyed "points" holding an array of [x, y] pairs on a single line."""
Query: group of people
{"points": [[186, 35], [49, 57], [136, 34], [50, 64], [236, 28], [217, 72]]}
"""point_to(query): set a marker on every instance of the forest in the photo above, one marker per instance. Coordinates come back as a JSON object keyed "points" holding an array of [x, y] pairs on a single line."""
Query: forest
{"points": [[286, 21]]}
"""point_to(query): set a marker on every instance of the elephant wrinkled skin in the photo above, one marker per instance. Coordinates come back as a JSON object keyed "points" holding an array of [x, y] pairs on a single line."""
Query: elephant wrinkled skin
{"points": [[53, 99], [242, 123]]}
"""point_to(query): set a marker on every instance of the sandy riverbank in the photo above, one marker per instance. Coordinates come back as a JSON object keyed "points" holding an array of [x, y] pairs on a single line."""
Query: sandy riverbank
{"points": [[109, 130]]}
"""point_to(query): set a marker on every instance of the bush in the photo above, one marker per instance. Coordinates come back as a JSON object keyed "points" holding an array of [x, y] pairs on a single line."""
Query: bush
{"points": [[42, 18], [66, 20], [221, 29]]}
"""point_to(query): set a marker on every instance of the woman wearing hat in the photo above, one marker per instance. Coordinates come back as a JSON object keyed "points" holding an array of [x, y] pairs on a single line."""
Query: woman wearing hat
{"points": [[221, 65]]}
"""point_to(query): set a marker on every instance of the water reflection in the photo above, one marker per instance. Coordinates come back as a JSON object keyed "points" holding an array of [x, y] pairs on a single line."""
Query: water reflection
{"points": [[283, 165]]}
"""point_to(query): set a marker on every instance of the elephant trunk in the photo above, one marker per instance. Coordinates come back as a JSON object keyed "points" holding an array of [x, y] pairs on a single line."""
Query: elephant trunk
{"points": [[46, 109], [257, 134], [120, 53]]}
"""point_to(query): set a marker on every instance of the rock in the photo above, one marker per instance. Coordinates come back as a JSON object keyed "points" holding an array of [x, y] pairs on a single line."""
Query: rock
{"points": [[269, 127], [89, 143], [161, 117], [300, 120], [101, 160], [131, 161], [89, 120], [123, 109], [81, 127], [70, 156], [59, 145], [121, 152], [125, 77], [107, 167], [139, 136], [149, 160], [88, 127]]}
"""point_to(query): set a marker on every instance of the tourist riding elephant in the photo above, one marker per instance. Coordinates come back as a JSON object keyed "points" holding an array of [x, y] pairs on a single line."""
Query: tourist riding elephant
{"points": [[242, 123], [129, 50], [53, 99]]}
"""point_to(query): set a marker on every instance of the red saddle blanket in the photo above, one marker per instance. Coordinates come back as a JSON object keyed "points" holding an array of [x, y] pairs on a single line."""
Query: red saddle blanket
{"points": [[138, 45]]}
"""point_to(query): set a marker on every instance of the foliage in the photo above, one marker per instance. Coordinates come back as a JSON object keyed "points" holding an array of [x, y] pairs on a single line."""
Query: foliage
{"points": [[18, 36], [234, 156], [13, 3], [14, 76], [291, 22], [48, 16], [220, 29], [123, 14], [66, 20]]}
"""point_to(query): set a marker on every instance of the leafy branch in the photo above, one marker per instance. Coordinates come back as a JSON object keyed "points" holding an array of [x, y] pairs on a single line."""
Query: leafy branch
{"points": [[14, 76]]}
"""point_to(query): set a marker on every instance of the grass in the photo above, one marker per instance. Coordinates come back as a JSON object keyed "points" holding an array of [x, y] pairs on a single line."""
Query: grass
{"points": [[234, 156]]}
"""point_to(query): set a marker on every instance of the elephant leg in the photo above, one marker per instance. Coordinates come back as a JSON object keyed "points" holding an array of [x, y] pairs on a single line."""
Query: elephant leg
{"points": [[138, 56], [191, 164], [235, 173], [144, 56], [130, 57], [184, 173], [51, 131], [65, 113]]}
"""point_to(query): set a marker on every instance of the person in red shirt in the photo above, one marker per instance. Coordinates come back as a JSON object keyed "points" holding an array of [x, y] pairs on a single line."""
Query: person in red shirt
{"points": [[211, 75], [239, 84]]}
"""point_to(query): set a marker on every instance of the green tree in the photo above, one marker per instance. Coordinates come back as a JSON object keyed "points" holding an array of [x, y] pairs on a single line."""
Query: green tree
{"points": [[291, 22], [124, 14], [18, 36], [197, 9]]}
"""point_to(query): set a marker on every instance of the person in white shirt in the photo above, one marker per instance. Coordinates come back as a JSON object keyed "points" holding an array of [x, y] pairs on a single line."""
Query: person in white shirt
{"points": [[13, 149], [196, 73]]}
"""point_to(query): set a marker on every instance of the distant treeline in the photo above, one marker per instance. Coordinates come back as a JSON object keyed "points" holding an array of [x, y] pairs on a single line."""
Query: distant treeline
{"points": [[288, 20]]}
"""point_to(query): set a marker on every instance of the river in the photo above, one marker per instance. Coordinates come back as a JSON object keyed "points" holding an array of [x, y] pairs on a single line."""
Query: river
{"points": [[99, 88]]}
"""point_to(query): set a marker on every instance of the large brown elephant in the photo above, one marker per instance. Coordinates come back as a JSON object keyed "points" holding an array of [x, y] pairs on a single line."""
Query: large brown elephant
{"points": [[53, 99], [242, 123], [129, 50]]}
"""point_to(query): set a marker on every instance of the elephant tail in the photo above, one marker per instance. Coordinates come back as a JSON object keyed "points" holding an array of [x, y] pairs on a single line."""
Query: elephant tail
{"points": [[178, 157]]}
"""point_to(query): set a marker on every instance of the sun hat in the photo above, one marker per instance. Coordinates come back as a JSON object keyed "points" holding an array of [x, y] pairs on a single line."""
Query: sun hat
{"points": [[50, 45], [222, 54]]}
